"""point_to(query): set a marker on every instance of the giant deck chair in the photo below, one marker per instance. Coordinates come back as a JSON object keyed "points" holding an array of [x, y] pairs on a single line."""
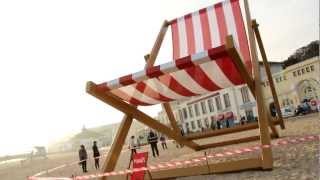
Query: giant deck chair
{"points": [[210, 52]]}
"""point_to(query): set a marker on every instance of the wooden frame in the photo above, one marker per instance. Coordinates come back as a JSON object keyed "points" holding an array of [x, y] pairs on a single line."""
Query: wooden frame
{"points": [[254, 83]]}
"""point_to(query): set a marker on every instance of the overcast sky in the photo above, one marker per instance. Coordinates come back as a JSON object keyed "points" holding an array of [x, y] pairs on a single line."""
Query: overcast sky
{"points": [[49, 49]]}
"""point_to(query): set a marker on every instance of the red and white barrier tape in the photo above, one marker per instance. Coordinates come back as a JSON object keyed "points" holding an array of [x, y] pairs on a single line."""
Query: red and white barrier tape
{"points": [[173, 164]]}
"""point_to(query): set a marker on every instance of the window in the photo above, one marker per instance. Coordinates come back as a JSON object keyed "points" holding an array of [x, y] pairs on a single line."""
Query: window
{"points": [[299, 72], [307, 69], [187, 127], [302, 71], [180, 114], [206, 122], [203, 107], [294, 74], [226, 100], [190, 111], [193, 126], [218, 103], [199, 123], [210, 105], [312, 67], [185, 114], [196, 109], [245, 94]]}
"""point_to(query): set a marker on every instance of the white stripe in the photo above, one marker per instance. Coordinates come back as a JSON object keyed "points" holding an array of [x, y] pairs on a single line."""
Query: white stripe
{"points": [[182, 37], [113, 84], [139, 76], [186, 81], [213, 26], [157, 86], [197, 31], [230, 22], [168, 67], [200, 57], [132, 91], [215, 74]]}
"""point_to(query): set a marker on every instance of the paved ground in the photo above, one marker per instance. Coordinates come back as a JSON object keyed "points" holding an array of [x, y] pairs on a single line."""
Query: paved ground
{"points": [[299, 161]]}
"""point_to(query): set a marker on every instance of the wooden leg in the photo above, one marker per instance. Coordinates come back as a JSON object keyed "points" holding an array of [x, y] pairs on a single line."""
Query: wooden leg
{"points": [[266, 153], [268, 72], [171, 118], [138, 115], [115, 150]]}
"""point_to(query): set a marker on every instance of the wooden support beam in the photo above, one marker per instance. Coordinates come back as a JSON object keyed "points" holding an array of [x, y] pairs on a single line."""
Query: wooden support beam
{"points": [[116, 147], [173, 122], [231, 166], [224, 131], [266, 153], [233, 53], [132, 111], [233, 141], [156, 47], [255, 27]]}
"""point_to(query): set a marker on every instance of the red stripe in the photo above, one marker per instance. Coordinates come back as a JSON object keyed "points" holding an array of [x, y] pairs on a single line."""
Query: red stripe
{"points": [[126, 80], [154, 72], [146, 90], [175, 86], [225, 64], [242, 36], [175, 39], [184, 62], [205, 29], [190, 34], [102, 87], [201, 78]]}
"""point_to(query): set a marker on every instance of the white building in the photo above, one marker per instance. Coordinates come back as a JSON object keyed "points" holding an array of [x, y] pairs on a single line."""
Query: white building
{"points": [[223, 108]]}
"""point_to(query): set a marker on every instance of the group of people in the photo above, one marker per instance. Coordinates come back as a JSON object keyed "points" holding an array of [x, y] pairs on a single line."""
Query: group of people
{"points": [[83, 156], [152, 138]]}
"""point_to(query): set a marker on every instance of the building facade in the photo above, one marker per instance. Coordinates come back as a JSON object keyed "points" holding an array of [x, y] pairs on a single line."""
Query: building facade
{"points": [[227, 107], [296, 83]]}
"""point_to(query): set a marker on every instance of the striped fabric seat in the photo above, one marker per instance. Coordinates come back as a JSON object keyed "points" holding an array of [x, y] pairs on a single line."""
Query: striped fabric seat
{"points": [[201, 63]]}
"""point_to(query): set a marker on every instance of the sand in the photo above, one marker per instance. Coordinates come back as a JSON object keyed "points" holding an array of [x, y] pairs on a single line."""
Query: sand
{"points": [[299, 161]]}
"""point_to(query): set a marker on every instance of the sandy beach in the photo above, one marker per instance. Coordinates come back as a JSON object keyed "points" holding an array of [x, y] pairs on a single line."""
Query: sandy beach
{"points": [[298, 161]]}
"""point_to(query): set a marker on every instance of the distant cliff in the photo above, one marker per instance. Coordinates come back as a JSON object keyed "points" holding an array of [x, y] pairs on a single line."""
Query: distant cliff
{"points": [[303, 53]]}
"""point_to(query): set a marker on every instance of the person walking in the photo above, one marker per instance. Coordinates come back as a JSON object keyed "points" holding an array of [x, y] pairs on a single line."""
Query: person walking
{"points": [[96, 154], [153, 141], [163, 142], [83, 156]]}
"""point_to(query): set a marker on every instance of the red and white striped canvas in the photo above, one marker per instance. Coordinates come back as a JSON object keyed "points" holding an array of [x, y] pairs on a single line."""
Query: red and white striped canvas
{"points": [[201, 64], [208, 28]]}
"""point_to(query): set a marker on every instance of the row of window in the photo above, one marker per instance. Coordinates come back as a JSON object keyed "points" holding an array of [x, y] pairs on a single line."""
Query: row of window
{"points": [[301, 71], [193, 110], [207, 106], [199, 124]]}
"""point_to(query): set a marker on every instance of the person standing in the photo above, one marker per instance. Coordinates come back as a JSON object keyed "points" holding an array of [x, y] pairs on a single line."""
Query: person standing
{"points": [[133, 145], [163, 142], [96, 154], [153, 141], [83, 156]]}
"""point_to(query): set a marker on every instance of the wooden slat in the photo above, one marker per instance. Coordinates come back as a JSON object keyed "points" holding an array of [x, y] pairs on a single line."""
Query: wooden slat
{"points": [[218, 132], [268, 71], [131, 110], [233, 141], [238, 165], [266, 153]]}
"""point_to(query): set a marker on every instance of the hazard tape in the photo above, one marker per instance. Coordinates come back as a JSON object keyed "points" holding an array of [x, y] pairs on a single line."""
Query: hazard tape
{"points": [[174, 164]]}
